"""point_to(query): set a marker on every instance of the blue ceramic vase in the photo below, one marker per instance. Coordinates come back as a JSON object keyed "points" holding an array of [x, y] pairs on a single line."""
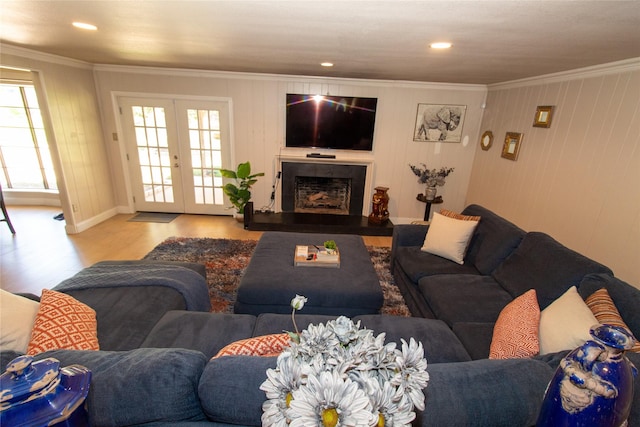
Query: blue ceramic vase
{"points": [[593, 386], [36, 394]]}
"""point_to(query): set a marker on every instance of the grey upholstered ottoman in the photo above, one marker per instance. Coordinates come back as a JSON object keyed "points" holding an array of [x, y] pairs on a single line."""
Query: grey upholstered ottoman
{"points": [[271, 280]]}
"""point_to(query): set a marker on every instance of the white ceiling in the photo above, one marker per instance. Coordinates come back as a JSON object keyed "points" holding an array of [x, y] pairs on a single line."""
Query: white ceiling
{"points": [[494, 41]]}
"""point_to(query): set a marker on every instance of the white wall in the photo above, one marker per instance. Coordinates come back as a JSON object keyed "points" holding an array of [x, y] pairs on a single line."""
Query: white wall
{"points": [[76, 138], [578, 180], [258, 126]]}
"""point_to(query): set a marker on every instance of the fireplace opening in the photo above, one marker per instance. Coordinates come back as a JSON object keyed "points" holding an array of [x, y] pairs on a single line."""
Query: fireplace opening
{"points": [[323, 188], [322, 195]]}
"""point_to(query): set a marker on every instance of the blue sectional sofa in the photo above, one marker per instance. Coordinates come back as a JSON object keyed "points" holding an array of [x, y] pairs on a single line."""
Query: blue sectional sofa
{"points": [[502, 262], [155, 366]]}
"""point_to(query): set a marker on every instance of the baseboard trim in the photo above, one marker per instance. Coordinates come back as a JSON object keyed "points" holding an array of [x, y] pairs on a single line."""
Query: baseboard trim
{"points": [[95, 220]]}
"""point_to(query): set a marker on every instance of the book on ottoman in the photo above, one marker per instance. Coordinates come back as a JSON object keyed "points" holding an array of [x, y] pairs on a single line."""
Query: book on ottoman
{"points": [[314, 256]]}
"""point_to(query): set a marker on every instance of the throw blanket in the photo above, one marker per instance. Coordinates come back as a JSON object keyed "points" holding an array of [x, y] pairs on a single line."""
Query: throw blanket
{"points": [[191, 285]]}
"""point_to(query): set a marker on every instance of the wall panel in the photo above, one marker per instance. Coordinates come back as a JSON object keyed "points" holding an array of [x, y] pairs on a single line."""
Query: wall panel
{"points": [[259, 123], [81, 159], [577, 180]]}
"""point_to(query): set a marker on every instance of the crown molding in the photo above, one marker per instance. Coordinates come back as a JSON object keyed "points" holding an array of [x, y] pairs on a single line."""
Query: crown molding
{"points": [[185, 72], [627, 65], [7, 49]]}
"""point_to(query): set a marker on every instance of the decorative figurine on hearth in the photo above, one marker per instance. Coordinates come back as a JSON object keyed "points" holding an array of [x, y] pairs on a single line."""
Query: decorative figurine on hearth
{"points": [[379, 212]]}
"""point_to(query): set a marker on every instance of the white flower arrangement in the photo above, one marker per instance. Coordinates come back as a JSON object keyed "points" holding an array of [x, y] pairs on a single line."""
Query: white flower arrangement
{"points": [[431, 177], [337, 374]]}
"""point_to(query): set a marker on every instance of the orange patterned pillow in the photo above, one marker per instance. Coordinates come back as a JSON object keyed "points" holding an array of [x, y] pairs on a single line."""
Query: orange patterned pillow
{"points": [[515, 334], [603, 307], [63, 322], [265, 345], [455, 215]]}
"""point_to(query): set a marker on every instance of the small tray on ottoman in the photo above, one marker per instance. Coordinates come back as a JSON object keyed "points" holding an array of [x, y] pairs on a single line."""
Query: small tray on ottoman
{"points": [[313, 256], [271, 280]]}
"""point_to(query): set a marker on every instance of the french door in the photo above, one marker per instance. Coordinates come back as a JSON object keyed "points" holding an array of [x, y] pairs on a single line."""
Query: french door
{"points": [[175, 150]]}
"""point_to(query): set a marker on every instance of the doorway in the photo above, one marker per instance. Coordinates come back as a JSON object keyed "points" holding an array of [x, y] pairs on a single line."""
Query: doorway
{"points": [[175, 149]]}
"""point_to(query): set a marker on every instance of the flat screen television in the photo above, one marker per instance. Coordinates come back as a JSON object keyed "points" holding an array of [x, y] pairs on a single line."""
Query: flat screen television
{"points": [[335, 122]]}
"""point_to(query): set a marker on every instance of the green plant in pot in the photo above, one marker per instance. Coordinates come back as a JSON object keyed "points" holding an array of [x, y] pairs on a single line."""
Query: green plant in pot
{"points": [[239, 192], [330, 246]]}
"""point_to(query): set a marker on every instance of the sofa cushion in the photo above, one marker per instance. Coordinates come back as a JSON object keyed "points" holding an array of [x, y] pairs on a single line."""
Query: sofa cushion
{"points": [[603, 307], [475, 337], [493, 240], [273, 323], [543, 264], [17, 315], [417, 264], [63, 322], [139, 386], [227, 397], [464, 298], [449, 237], [485, 393], [565, 323], [624, 296], [515, 334], [205, 332], [122, 325], [438, 340]]}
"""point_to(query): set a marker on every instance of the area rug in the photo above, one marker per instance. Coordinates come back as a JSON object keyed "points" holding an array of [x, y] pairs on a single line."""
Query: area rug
{"points": [[226, 259], [153, 217]]}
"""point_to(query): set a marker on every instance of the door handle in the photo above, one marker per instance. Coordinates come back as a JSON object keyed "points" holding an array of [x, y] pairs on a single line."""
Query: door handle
{"points": [[176, 165]]}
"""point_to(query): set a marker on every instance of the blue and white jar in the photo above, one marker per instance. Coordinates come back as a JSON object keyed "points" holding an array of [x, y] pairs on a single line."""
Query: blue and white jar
{"points": [[593, 386]]}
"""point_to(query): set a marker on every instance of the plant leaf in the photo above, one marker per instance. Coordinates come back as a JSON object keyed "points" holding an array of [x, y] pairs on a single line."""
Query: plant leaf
{"points": [[244, 170]]}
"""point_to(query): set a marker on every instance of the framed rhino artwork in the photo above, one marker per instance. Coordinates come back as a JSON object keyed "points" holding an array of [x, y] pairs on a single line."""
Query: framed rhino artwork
{"points": [[439, 123]]}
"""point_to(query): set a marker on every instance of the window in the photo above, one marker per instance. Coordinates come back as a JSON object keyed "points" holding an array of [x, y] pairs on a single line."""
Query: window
{"points": [[25, 161]]}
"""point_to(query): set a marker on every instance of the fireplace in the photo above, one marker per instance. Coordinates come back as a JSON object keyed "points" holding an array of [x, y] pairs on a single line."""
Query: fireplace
{"points": [[323, 188]]}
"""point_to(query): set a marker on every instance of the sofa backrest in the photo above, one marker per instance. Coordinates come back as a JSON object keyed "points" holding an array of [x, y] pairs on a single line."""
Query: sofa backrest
{"points": [[625, 297], [493, 241], [543, 264]]}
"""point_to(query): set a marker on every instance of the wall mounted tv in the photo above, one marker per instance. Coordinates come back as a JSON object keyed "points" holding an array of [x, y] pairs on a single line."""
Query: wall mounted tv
{"points": [[336, 122]]}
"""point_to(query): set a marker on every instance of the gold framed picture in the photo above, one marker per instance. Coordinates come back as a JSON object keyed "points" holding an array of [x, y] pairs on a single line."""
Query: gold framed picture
{"points": [[511, 146], [544, 113], [486, 140]]}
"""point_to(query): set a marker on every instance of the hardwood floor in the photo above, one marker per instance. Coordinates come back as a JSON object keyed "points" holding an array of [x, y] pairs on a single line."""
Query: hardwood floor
{"points": [[41, 254]]}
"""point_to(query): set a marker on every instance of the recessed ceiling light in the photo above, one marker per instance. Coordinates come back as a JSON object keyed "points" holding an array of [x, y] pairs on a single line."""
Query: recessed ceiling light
{"points": [[440, 45], [327, 64], [85, 26]]}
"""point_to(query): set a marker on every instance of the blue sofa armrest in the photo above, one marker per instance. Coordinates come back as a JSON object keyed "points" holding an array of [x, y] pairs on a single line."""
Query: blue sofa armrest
{"points": [[478, 393], [406, 235], [141, 386]]}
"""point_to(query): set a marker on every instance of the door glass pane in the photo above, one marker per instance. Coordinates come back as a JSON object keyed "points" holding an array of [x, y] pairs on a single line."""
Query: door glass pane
{"points": [[153, 156], [204, 143]]}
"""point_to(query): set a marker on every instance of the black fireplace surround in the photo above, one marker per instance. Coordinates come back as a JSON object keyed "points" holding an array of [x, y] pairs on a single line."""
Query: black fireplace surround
{"points": [[356, 174], [290, 220]]}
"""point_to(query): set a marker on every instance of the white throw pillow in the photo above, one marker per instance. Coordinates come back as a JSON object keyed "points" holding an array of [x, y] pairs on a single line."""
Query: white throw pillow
{"points": [[449, 237], [565, 323], [17, 315]]}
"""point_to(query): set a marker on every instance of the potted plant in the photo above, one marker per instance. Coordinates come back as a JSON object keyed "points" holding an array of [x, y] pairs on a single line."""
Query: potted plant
{"points": [[239, 192], [330, 246], [431, 177]]}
